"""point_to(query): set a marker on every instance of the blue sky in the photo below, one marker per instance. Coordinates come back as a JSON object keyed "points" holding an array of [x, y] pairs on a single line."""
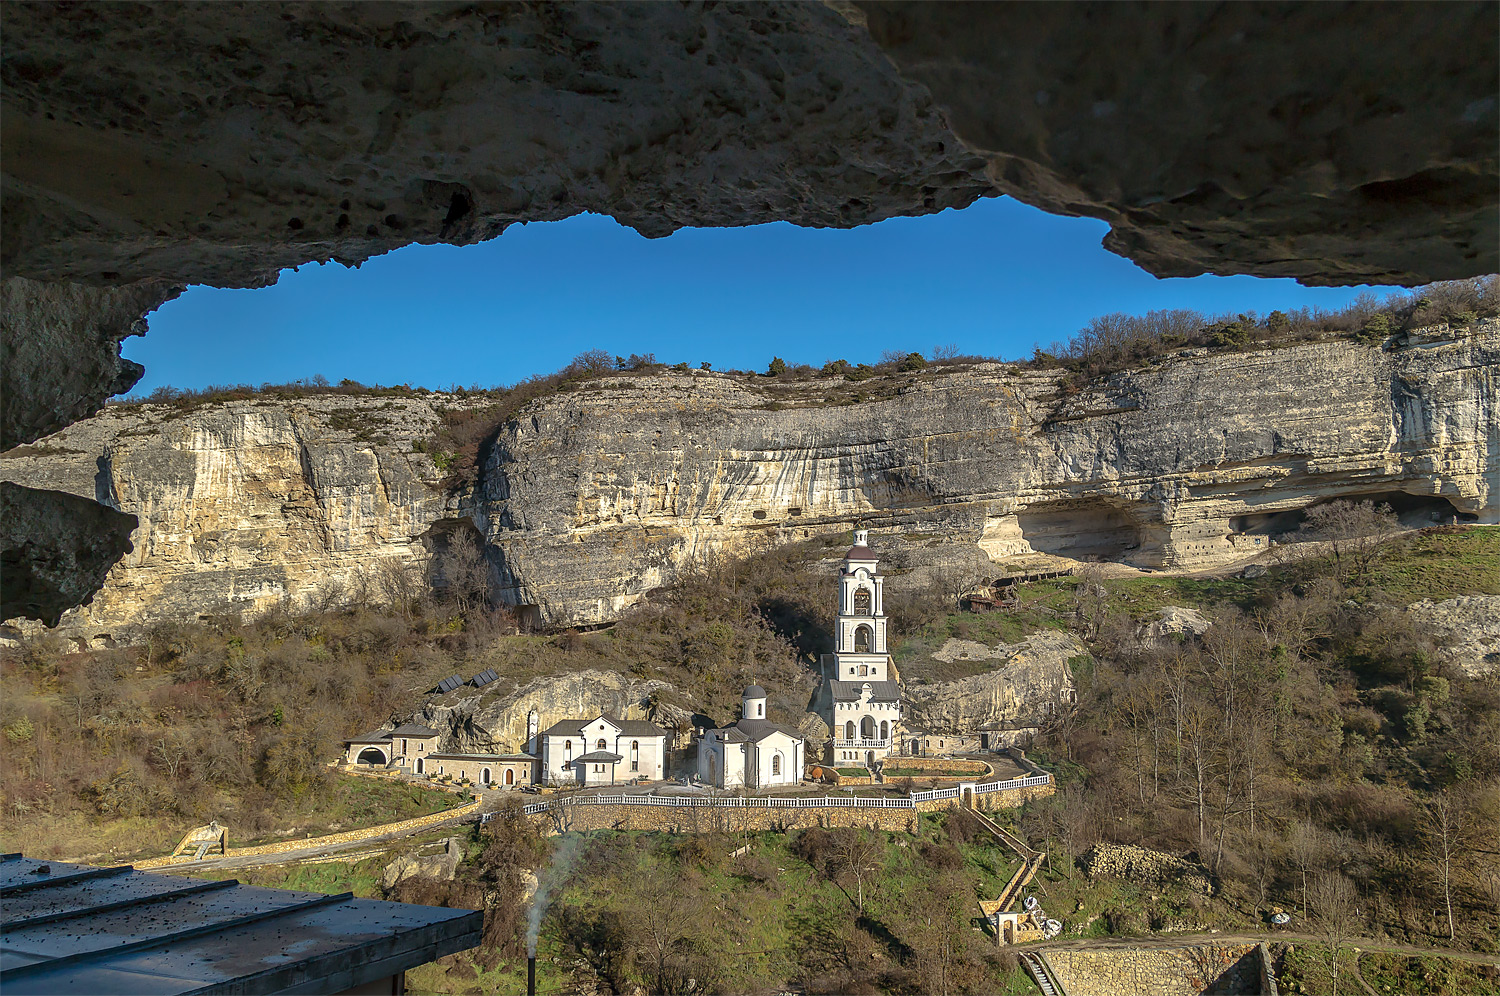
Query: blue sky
{"points": [[994, 279]]}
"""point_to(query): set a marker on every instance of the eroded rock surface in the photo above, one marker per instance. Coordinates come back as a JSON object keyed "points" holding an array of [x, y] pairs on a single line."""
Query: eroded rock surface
{"points": [[1332, 142], [594, 497], [1032, 677], [57, 550], [496, 721], [1144, 866], [150, 146], [1469, 629]]}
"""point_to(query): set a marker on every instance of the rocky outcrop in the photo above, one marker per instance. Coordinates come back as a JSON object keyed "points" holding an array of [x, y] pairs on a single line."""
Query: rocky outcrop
{"points": [[1145, 867], [241, 507], [1172, 624], [1031, 679], [58, 548], [496, 721], [595, 497], [591, 498], [1468, 630], [440, 867]]}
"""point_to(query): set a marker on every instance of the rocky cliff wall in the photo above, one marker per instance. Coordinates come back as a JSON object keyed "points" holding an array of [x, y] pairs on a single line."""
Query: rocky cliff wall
{"points": [[245, 506], [593, 497]]}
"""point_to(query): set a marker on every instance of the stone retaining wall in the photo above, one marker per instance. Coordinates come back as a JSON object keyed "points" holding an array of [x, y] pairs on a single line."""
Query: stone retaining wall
{"points": [[704, 819], [1191, 970], [347, 837], [1009, 799]]}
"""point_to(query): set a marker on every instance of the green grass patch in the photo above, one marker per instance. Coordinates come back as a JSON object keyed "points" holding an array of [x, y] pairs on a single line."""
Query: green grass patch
{"points": [[352, 803], [1428, 975], [853, 772]]}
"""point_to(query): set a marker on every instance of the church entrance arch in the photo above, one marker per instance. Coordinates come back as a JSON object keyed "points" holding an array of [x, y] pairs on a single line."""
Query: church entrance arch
{"points": [[372, 755], [420, 765], [510, 776], [870, 759], [484, 776], [867, 728]]}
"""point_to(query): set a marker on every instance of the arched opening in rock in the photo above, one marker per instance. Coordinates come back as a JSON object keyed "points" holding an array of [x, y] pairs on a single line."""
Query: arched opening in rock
{"points": [[372, 755], [460, 570], [1089, 530], [1412, 511]]}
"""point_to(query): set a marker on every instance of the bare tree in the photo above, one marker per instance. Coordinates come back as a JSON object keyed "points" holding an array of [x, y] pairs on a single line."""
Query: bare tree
{"points": [[461, 574], [947, 351], [1444, 827], [400, 583], [1354, 532], [1336, 905], [855, 851]]}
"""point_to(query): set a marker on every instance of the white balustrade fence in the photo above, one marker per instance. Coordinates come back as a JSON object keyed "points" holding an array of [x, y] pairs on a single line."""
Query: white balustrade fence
{"points": [[778, 802]]}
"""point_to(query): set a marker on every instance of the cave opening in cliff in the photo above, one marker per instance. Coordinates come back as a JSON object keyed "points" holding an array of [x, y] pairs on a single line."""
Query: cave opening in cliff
{"points": [[1412, 511], [461, 569], [1088, 530]]}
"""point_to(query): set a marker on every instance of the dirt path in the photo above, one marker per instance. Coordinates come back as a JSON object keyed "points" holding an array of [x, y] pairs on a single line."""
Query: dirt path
{"points": [[1183, 940], [1369, 990]]}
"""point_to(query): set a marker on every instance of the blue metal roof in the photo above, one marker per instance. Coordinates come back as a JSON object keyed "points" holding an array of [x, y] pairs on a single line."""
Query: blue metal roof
{"points": [[67, 928]]}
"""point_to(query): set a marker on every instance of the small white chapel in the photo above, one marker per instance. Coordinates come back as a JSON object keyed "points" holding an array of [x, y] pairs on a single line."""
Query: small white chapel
{"points": [[752, 753]]}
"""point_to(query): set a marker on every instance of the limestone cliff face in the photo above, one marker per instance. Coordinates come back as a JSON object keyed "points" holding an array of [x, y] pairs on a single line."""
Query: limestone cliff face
{"points": [[591, 498], [594, 498], [246, 505]]}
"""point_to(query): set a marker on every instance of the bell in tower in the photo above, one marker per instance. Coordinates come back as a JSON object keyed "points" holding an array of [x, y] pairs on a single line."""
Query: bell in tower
{"points": [[860, 638]]}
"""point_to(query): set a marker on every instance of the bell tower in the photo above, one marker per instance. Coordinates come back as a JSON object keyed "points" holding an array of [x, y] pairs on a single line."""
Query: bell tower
{"points": [[860, 632]]}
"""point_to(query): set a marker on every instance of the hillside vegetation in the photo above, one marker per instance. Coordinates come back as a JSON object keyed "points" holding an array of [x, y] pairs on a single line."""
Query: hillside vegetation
{"points": [[1312, 751]]}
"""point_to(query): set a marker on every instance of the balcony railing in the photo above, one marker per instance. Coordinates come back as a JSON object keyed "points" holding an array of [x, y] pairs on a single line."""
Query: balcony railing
{"points": [[852, 744]]}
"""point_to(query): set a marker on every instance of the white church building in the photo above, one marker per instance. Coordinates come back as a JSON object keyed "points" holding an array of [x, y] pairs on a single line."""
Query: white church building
{"points": [[863, 701], [599, 751], [752, 753]]}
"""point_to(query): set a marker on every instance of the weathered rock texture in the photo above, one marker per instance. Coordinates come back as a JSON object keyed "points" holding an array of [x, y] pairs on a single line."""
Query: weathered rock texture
{"points": [[54, 557], [1469, 628], [496, 721], [1145, 867], [1189, 970], [593, 498], [1030, 679], [589, 499], [147, 146], [243, 506], [1275, 139]]}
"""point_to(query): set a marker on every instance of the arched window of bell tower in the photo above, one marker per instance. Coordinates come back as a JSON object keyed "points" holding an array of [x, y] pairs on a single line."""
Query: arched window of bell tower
{"points": [[862, 640], [862, 602]]}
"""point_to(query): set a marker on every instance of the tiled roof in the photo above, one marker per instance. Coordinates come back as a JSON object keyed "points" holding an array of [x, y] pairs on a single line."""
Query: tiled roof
{"points": [[627, 727], [598, 757], [413, 730], [373, 737], [479, 757], [880, 691], [757, 730]]}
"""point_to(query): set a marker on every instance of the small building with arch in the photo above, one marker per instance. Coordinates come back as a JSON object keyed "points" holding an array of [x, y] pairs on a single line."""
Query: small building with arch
{"points": [[402, 746], [754, 752]]}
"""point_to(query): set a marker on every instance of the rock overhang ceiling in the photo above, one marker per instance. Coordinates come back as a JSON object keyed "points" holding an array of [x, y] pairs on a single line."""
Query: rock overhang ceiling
{"points": [[147, 146]]}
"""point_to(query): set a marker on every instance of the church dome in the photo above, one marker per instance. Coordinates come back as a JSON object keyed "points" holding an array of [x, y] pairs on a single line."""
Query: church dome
{"points": [[755, 692]]}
